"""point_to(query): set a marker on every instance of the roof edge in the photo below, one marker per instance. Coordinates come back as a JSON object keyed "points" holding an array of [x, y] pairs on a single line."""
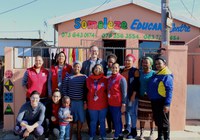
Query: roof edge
{"points": [[115, 4]]}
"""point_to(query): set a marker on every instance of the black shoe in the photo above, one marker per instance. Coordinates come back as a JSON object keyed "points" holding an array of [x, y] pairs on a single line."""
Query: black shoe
{"points": [[125, 132], [160, 138], [120, 138], [109, 130], [127, 129], [133, 134], [166, 132]]}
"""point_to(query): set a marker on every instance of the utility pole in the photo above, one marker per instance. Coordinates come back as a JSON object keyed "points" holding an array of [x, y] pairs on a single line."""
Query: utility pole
{"points": [[54, 41], [166, 22], [39, 32]]}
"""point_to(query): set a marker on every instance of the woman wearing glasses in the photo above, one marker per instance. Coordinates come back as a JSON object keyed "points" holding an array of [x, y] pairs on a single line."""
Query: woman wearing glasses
{"points": [[51, 115], [30, 117]]}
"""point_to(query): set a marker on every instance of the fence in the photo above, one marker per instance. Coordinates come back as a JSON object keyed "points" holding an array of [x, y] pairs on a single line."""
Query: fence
{"points": [[193, 68], [24, 56]]}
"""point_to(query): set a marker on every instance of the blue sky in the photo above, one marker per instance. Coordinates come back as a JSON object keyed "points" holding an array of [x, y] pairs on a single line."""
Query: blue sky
{"points": [[25, 22]]}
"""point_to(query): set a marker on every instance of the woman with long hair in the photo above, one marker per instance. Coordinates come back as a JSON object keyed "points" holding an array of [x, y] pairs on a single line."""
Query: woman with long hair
{"points": [[58, 72], [51, 115]]}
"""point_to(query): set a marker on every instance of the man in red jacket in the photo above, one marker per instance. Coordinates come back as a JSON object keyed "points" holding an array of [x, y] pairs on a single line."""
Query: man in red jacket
{"points": [[35, 78]]}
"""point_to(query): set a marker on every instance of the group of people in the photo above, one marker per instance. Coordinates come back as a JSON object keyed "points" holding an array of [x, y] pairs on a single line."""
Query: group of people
{"points": [[96, 91]]}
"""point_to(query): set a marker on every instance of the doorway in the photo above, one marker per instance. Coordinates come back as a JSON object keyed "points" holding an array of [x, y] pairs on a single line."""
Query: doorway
{"points": [[120, 53]]}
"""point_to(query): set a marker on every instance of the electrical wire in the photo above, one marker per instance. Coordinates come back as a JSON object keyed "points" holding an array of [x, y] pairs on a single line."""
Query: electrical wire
{"points": [[18, 31], [193, 7], [17, 7], [107, 1], [187, 9]]}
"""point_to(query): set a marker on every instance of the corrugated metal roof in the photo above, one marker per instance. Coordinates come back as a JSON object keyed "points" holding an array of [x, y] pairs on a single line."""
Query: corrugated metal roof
{"points": [[116, 4], [32, 39]]}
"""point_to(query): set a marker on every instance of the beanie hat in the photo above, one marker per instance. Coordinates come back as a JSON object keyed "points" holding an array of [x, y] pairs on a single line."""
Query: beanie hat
{"points": [[131, 55], [150, 59], [161, 57], [77, 62]]}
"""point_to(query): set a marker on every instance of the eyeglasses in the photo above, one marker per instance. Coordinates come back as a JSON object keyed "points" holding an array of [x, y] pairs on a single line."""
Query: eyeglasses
{"points": [[56, 96], [34, 98], [94, 50]]}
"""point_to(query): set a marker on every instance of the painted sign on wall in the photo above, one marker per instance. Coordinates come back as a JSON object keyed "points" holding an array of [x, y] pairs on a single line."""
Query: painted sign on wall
{"points": [[115, 36], [8, 74], [135, 25], [8, 85], [8, 97], [8, 110]]}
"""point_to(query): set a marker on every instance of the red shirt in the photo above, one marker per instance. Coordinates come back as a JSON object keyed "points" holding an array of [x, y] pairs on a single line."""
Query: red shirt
{"points": [[54, 72], [55, 108], [37, 81], [97, 88], [114, 90]]}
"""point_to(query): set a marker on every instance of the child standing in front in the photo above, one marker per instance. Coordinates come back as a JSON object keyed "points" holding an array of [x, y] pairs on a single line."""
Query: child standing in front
{"points": [[64, 118]]}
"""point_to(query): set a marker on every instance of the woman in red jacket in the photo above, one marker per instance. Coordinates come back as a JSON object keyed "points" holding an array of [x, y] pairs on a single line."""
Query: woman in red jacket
{"points": [[97, 102], [117, 92], [57, 73]]}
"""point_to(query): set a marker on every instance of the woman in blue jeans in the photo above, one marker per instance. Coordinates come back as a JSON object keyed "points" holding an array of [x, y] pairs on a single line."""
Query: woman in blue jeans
{"points": [[117, 92], [97, 102]]}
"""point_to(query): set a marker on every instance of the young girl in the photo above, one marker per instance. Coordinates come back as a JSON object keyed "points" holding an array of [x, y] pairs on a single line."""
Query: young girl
{"points": [[65, 118]]}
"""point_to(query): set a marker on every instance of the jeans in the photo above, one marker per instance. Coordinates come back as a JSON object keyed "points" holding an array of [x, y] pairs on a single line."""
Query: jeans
{"points": [[117, 119], [95, 116], [127, 117], [65, 132], [131, 110], [18, 130]]}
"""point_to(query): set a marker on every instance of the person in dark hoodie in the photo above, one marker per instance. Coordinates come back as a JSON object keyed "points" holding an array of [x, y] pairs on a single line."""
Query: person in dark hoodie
{"points": [[160, 94]]}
